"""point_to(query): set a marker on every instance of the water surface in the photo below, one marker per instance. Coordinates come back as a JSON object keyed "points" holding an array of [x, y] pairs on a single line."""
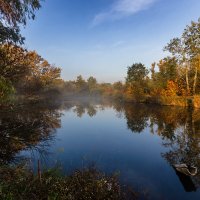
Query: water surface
{"points": [[140, 142]]}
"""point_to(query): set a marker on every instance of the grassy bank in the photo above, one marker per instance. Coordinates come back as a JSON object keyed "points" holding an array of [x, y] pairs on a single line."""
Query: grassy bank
{"points": [[20, 183], [191, 101]]}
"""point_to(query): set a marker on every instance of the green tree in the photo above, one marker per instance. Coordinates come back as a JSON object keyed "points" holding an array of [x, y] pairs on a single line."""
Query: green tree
{"points": [[92, 83], [81, 84], [6, 89], [137, 73], [136, 81]]}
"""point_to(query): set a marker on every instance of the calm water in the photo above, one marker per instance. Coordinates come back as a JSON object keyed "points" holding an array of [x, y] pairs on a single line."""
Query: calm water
{"points": [[140, 142]]}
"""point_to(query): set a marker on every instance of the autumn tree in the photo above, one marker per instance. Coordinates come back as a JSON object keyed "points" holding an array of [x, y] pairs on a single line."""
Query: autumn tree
{"points": [[14, 65], [186, 49], [119, 90], [167, 73], [13, 68], [26, 70], [191, 37], [118, 85], [177, 48], [14, 13], [41, 75]]}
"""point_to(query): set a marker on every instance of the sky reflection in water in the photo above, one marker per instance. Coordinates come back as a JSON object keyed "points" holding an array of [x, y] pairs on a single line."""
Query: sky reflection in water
{"points": [[141, 142]]}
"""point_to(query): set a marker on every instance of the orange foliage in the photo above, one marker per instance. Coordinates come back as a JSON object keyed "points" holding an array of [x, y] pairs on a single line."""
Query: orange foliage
{"points": [[171, 89]]}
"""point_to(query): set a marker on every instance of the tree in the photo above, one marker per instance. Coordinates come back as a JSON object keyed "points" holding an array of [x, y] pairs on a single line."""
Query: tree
{"points": [[6, 89], [136, 73], [187, 49], [191, 36], [10, 34], [167, 72], [92, 83], [153, 65], [14, 13], [26, 70], [178, 50], [81, 84], [136, 81], [14, 65], [41, 75], [118, 85]]}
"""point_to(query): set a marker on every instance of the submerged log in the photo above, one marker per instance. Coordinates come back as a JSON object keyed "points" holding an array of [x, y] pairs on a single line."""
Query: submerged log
{"points": [[186, 169]]}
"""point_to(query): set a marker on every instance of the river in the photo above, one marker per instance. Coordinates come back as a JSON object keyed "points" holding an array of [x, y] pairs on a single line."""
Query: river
{"points": [[139, 142]]}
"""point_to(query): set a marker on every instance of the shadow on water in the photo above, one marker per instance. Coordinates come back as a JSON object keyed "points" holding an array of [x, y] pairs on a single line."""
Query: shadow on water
{"points": [[33, 128], [187, 182]]}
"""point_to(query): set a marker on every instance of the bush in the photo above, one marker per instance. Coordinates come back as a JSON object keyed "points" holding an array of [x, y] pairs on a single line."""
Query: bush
{"points": [[6, 89], [19, 183]]}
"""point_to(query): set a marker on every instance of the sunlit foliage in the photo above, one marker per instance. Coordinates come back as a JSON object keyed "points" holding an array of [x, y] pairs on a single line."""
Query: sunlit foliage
{"points": [[25, 70]]}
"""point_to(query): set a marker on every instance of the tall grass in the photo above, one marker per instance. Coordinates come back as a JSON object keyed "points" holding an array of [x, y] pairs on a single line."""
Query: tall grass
{"points": [[19, 183]]}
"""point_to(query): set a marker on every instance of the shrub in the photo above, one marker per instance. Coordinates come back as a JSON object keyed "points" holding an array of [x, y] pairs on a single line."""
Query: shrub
{"points": [[19, 183]]}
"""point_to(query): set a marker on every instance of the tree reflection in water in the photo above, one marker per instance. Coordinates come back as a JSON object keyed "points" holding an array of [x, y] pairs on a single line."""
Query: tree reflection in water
{"points": [[185, 148], [27, 127], [32, 127], [179, 129], [82, 109]]}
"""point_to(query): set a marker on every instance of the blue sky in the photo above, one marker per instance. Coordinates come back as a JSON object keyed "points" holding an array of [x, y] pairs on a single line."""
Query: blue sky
{"points": [[102, 37]]}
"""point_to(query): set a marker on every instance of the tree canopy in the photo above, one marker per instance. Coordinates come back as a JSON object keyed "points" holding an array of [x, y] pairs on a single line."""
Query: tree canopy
{"points": [[136, 73], [14, 13]]}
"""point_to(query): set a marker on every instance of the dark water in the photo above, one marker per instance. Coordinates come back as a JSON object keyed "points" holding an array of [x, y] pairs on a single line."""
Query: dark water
{"points": [[140, 142]]}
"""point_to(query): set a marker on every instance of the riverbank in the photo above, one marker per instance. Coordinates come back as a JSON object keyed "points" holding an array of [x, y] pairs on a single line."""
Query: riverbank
{"points": [[20, 183], [190, 101], [181, 101], [193, 101]]}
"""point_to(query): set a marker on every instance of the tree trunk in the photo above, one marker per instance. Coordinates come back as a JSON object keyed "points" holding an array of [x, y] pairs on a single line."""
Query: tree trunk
{"points": [[195, 80], [187, 79]]}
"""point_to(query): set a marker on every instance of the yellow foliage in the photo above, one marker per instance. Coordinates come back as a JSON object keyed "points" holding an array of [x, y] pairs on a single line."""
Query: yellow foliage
{"points": [[171, 90]]}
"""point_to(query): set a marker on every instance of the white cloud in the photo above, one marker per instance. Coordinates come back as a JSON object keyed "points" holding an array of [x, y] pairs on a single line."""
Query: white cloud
{"points": [[121, 9]]}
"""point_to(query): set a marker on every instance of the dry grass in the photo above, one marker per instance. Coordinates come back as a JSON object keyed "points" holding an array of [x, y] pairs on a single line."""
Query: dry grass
{"points": [[19, 183]]}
